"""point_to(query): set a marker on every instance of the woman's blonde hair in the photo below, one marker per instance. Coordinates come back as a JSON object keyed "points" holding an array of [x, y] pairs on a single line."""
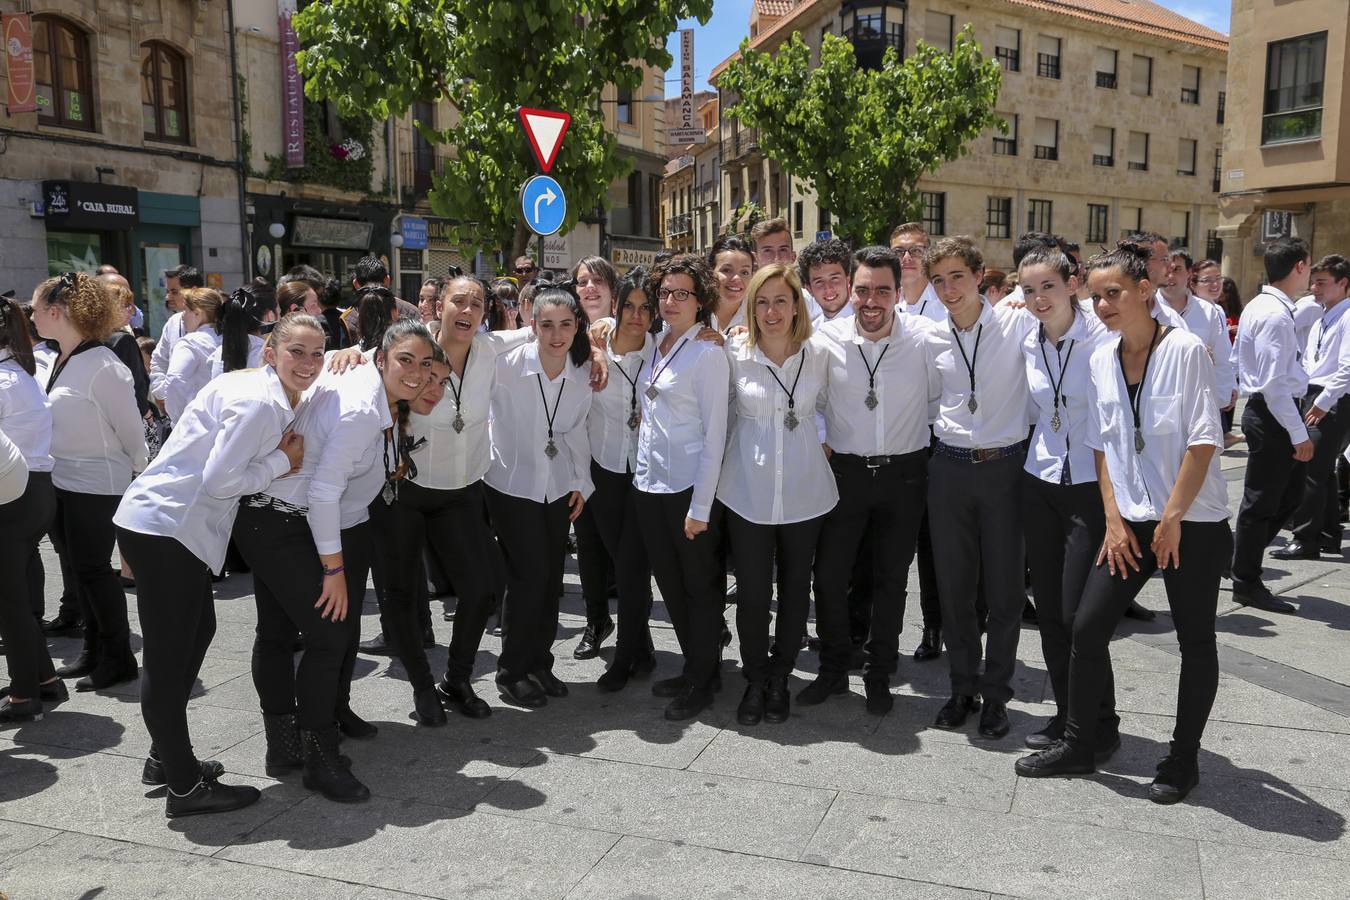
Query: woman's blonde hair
{"points": [[91, 308], [801, 323], [205, 302]]}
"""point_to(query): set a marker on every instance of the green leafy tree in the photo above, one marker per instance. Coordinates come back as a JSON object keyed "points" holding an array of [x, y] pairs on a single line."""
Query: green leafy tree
{"points": [[488, 58], [862, 138]]}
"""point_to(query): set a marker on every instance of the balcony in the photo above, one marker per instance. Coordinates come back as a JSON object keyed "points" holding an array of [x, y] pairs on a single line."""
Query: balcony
{"points": [[1138, 166], [417, 173], [1099, 160], [740, 144], [870, 45], [1043, 152], [679, 225], [1190, 95], [1005, 146], [1106, 80]]}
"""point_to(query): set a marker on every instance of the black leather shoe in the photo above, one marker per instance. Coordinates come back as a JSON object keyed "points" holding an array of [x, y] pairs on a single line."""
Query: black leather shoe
{"points": [[1139, 613], [523, 692], [688, 704], [376, 646], [1297, 550], [1052, 733], [825, 686], [930, 646], [353, 726], [427, 709], [879, 696], [551, 684], [210, 797], [777, 700], [110, 671], [1057, 759], [751, 709], [953, 713], [1177, 775], [1258, 596], [669, 687], [79, 667], [1107, 745], [592, 638], [616, 677], [460, 695], [994, 719], [1330, 545], [53, 693], [152, 774], [22, 711], [63, 624]]}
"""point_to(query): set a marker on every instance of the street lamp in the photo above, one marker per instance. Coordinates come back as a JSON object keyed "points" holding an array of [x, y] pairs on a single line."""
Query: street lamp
{"points": [[395, 240], [276, 230]]}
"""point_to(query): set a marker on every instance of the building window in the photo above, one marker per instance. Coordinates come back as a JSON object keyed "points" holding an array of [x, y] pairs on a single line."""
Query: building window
{"points": [[1190, 84], [1099, 220], [934, 212], [62, 73], [163, 93], [1218, 168], [1047, 56], [938, 30], [1103, 146], [872, 30], [634, 203], [1141, 78], [823, 220], [798, 218], [1294, 73], [1006, 145], [1047, 138], [998, 218], [1040, 216], [1106, 67], [1138, 151], [653, 211], [1131, 220], [623, 107], [1213, 245], [1185, 157], [1181, 229], [1223, 101], [1008, 48]]}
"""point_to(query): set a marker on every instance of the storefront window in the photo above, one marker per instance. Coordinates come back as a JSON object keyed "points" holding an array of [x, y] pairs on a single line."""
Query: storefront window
{"points": [[71, 251]]}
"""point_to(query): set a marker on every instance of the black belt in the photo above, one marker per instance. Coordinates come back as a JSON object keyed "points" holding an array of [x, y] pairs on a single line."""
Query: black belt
{"points": [[1258, 396], [876, 462], [973, 455], [267, 501]]}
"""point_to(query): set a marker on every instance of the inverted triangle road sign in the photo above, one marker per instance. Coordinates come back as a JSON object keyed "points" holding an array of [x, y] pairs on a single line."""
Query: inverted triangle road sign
{"points": [[545, 129]]}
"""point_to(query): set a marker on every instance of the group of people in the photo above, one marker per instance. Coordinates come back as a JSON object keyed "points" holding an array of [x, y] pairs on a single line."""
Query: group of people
{"points": [[812, 423]]}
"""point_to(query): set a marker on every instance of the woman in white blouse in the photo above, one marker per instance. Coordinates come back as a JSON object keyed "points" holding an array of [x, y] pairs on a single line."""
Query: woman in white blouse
{"points": [[26, 512], [1062, 518], [1155, 440], [732, 261], [174, 523], [98, 443], [190, 362], [681, 440], [305, 536], [241, 320], [775, 483], [538, 481]]}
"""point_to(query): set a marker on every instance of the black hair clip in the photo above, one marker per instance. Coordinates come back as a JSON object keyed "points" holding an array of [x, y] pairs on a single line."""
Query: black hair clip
{"points": [[568, 285], [67, 283]]}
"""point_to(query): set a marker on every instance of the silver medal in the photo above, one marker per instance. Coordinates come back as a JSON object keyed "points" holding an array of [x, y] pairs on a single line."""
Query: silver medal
{"points": [[388, 494], [973, 404], [652, 392], [1054, 421], [1138, 441], [871, 399], [550, 449], [458, 423], [790, 420]]}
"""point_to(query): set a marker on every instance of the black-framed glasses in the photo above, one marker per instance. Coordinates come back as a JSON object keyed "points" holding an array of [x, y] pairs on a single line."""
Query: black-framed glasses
{"points": [[525, 270], [916, 251], [680, 294]]}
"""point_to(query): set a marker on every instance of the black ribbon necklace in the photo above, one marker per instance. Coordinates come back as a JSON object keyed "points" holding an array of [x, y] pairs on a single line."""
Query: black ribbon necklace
{"points": [[403, 467], [970, 361], [871, 400], [61, 365], [652, 389], [790, 421], [1136, 402], [1056, 386], [550, 449], [633, 418], [458, 423]]}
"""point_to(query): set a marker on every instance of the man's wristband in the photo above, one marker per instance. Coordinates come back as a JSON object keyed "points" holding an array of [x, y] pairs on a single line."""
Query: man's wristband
{"points": [[337, 570]]}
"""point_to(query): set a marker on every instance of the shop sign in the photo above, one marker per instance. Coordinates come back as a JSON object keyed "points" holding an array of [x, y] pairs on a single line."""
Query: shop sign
{"points": [[623, 256], [440, 234], [95, 207], [338, 234], [414, 232], [292, 88], [555, 252], [17, 30]]}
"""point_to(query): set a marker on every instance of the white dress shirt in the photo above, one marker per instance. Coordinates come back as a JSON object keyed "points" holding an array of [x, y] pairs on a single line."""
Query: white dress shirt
{"points": [[98, 436], [223, 447], [1070, 367], [1207, 322], [13, 470], [189, 369], [683, 432], [1306, 313], [1177, 409], [1003, 403], [772, 474], [255, 352], [737, 320], [821, 317], [446, 459], [519, 432], [905, 382], [1326, 357], [159, 360], [1267, 355], [928, 305], [25, 414], [613, 443], [343, 420]]}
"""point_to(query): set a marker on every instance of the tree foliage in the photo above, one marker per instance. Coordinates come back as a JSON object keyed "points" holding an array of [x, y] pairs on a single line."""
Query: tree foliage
{"points": [[488, 58], [863, 139]]}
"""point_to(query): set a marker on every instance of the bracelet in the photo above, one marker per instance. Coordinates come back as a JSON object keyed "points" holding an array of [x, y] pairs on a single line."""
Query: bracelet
{"points": [[334, 571]]}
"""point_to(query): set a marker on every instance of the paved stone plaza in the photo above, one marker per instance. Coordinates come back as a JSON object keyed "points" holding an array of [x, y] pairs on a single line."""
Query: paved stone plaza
{"points": [[598, 796]]}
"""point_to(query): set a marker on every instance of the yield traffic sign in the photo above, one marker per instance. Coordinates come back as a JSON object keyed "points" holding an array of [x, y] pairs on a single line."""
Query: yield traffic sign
{"points": [[543, 205], [545, 129]]}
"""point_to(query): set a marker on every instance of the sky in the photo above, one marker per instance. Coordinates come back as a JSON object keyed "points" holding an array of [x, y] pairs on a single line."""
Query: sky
{"points": [[730, 23]]}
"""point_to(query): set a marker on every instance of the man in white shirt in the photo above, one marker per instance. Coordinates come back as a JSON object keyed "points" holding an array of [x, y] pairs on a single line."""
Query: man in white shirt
{"points": [[1270, 373], [917, 297], [824, 268], [772, 241], [1204, 320], [176, 280], [1315, 522]]}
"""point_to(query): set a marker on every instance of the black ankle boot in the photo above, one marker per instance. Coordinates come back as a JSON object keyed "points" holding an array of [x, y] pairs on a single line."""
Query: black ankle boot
{"points": [[324, 771], [751, 710], [114, 667], [1178, 774], [153, 774], [284, 751], [777, 704], [81, 666], [353, 726]]}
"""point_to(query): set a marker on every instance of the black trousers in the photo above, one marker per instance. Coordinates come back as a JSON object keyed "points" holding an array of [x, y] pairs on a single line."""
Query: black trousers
{"points": [[878, 512], [23, 522], [1192, 595], [860, 588], [757, 551], [534, 563], [1318, 512], [1271, 492], [1063, 525], [612, 510], [86, 525], [178, 621], [596, 565], [691, 577], [975, 512], [452, 524], [287, 581]]}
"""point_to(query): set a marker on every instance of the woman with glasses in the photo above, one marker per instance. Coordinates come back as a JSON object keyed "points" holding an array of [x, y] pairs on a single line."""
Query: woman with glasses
{"points": [[1209, 284]]}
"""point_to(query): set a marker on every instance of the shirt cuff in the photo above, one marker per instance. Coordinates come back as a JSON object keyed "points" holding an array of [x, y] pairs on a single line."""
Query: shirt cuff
{"points": [[278, 462], [1326, 401], [700, 512]]}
